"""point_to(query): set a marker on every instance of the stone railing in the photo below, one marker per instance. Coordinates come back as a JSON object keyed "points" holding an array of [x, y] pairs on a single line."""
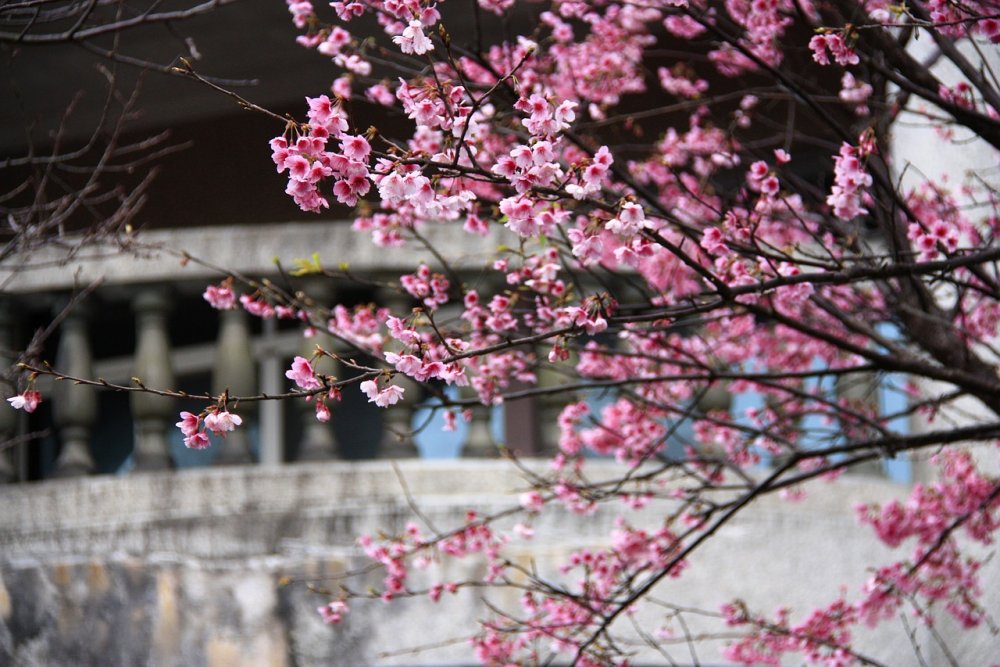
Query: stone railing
{"points": [[246, 357], [145, 322], [180, 343]]}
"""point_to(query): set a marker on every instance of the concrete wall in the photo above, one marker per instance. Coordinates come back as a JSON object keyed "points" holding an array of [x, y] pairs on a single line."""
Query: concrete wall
{"points": [[191, 568]]}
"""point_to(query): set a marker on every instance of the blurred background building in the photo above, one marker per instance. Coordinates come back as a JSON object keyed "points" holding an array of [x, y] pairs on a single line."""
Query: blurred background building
{"points": [[118, 546]]}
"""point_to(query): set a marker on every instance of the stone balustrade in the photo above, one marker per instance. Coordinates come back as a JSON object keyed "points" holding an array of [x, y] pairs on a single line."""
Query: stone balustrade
{"points": [[148, 322], [235, 353]]}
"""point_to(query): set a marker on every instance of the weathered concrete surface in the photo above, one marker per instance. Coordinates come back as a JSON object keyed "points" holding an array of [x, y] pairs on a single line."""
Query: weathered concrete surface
{"points": [[186, 569]]}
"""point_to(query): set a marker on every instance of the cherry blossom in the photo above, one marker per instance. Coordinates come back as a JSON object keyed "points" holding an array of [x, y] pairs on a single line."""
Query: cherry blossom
{"points": [[333, 612], [413, 39], [26, 400], [823, 46], [383, 398], [658, 244], [221, 422], [850, 178], [197, 440], [189, 424], [220, 297], [302, 374]]}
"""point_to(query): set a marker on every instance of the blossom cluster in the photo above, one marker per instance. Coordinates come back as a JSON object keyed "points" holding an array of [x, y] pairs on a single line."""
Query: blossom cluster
{"points": [[850, 180], [937, 573], [196, 430], [655, 252], [306, 158], [657, 258]]}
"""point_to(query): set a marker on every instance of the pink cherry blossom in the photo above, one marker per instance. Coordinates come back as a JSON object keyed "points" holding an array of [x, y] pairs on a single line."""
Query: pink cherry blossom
{"points": [[221, 422], [855, 91], [531, 501], [302, 374], [189, 423], [413, 39], [322, 411], [27, 401], [832, 44], [197, 441], [850, 178], [355, 147], [333, 613], [220, 297], [383, 398]]}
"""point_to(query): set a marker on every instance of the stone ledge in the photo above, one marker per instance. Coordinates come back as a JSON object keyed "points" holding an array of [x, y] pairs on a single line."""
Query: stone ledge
{"points": [[337, 485], [247, 249], [246, 511]]}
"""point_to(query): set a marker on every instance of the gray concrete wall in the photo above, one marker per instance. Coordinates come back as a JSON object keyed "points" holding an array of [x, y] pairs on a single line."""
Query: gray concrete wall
{"points": [[190, 568]]}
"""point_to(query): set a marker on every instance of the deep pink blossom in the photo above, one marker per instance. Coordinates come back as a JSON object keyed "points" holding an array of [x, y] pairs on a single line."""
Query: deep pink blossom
{"points": [[832, 44], [333, 613], [220, 297]]}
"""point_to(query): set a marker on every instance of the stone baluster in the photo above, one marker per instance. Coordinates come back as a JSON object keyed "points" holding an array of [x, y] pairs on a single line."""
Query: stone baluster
{"points": [[716, 397], [550, 405], [397, 427], [152, 414], [235, 371], [479, 442], [272, 381], [74, 405], [522, 422], [8, 418], [319, 441], [860, 391], [8, 430]]}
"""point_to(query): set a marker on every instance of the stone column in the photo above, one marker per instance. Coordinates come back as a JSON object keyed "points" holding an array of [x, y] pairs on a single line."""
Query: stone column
{"points": [[550, 405], [74, 405], [522, 422], [716, 397], [272, 381], [860, 391], [152, 414], [235, 371], [319, 442], [479, 442], [397, 427], [8, 431]]}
